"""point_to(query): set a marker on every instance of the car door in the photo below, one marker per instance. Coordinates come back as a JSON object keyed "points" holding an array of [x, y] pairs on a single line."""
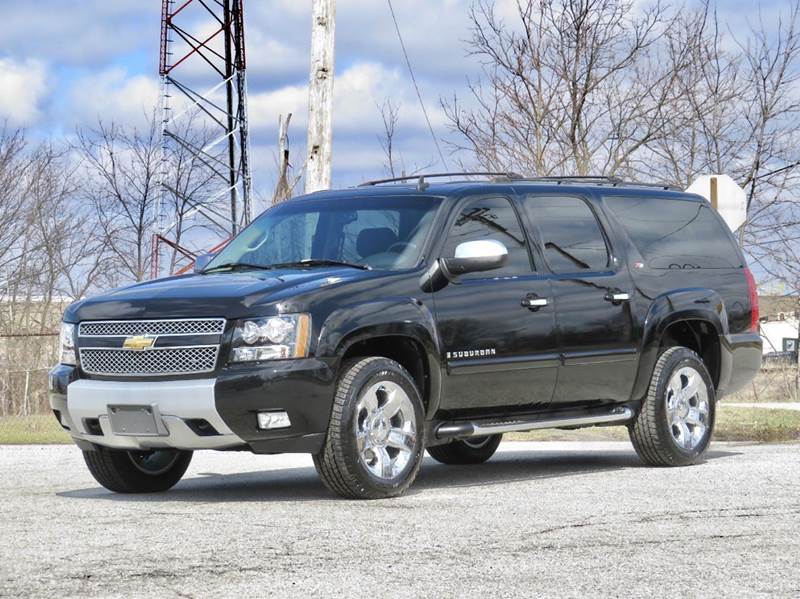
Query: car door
{"points": [[592, 290], [497, 328]]}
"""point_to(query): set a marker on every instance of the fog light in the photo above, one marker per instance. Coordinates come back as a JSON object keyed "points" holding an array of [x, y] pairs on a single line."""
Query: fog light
{"points": [[271, 420]]}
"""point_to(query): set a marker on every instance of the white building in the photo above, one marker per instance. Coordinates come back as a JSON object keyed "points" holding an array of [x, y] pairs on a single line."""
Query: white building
{"points": [[780, 335]]}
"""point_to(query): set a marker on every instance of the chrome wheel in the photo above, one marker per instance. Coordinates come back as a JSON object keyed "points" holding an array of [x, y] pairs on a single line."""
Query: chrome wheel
{"points": [[385, 429], [687, 407]]}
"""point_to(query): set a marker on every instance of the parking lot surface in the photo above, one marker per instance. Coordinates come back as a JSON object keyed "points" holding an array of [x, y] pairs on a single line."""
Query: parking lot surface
{"points": [[553, 519]]}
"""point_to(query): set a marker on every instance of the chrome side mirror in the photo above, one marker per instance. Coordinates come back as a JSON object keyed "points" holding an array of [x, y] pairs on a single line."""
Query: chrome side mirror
{"points": [[470, 256], [477, 256]]}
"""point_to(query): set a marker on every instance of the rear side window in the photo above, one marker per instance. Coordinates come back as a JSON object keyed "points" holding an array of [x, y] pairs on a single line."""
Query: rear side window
{"points": [[572, 237], [491, 218], [675, 233]]}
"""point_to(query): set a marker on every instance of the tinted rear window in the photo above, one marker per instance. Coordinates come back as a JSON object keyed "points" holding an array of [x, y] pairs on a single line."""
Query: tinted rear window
{"points": [[571, 235], [675, 233]]}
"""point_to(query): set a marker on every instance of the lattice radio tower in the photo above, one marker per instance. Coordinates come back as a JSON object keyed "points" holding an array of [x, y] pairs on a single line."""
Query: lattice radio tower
{"points": [[202, 44]]}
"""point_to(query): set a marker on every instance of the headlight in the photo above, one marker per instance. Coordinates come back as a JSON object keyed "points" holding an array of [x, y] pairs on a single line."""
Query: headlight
{"points": [[273, 338], [67, 342]]}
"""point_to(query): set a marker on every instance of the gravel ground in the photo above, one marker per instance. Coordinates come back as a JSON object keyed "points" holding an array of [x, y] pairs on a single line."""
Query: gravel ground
{"points": [[554, 519]]}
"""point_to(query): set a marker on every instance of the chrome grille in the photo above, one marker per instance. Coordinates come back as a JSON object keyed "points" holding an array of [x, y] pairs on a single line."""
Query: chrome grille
{"points": [[152, 362], [128, 328]]}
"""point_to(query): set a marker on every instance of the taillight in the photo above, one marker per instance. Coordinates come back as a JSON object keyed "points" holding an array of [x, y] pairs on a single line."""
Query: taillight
{"points": [[752, 290]]}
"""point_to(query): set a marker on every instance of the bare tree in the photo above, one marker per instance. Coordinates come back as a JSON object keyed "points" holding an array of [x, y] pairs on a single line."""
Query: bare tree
{"points": [[52, 256], [121, 172], [573, 86], [648, 92], [770, 148], [287, 182], [390, 115], [127, 172], [195, 207], [14, 164]]}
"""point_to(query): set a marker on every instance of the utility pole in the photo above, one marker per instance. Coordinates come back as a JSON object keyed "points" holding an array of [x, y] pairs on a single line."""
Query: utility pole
{"points": [[320, 96]]}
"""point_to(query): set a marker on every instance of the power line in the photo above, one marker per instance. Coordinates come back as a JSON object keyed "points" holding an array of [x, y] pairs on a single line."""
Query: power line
{"points": [[780, 170], [416, 86]]}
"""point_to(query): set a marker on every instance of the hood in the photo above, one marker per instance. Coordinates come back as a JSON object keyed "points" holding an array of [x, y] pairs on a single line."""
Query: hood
{"points": [[229, 295]]}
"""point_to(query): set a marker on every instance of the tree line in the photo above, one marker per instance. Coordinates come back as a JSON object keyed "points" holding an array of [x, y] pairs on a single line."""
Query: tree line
{"points": [[644, 91]]}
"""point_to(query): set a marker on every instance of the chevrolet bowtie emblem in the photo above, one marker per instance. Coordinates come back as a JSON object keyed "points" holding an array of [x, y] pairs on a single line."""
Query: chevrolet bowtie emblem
{"points": [[139, 342]]}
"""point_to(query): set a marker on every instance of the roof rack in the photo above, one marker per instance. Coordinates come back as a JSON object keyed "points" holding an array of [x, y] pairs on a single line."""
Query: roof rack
{"points": [[610, 180], [422, 185]]}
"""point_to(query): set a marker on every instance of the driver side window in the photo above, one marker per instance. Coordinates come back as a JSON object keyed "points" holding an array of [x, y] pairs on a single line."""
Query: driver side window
{"points": [[490, 218]]}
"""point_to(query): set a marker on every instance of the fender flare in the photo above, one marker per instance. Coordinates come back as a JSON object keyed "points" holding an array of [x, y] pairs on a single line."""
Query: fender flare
{"points": [[693, 304], [388, 317]]}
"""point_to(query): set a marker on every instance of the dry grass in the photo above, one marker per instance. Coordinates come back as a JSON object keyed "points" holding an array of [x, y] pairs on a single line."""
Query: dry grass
{"points": [[775, 384], [753, 425], [41, 429], [758, 425], [733, 424]]}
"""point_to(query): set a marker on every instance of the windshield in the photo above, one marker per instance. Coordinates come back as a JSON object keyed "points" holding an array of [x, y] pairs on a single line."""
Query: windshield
{"points": [[384, 233]]}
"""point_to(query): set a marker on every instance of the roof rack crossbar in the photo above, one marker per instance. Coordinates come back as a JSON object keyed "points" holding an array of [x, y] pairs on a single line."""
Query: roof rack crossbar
{"points": [[421, 177]]}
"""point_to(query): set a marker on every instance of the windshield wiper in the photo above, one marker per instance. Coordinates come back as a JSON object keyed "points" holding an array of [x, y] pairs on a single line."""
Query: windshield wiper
{"points": [[307, 262], [238, 265], [322, 262]]}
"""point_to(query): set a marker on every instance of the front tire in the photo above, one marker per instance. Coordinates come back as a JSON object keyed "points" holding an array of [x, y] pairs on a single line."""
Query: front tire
{"points": [[675, 423], [467, 451], [375, 438], [125, 471]]}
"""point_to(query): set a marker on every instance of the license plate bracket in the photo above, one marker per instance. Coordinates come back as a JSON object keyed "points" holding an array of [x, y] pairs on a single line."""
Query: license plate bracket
{"points": [[136, 420]]}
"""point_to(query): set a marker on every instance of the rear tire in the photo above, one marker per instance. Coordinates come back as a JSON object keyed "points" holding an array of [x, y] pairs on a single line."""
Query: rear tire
{"points": [[375, 438], [125, 471], [675, 423], [467, 451]]}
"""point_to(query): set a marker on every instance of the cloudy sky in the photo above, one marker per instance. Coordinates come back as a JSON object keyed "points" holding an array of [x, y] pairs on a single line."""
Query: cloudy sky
{"points": [[64, 64]]}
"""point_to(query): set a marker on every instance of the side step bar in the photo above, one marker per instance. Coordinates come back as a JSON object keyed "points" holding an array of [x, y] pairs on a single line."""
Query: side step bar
{"points": [[480, 428]]}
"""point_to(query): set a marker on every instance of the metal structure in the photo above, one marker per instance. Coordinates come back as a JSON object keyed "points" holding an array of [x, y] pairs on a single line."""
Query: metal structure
{"points": [[194, 56]]}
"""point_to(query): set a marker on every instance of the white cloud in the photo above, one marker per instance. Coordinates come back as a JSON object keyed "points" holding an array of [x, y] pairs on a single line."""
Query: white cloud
{"points": [[113, 95], [357, 125], [357, 92], [90, 32], [23, 87], [104, 56]]}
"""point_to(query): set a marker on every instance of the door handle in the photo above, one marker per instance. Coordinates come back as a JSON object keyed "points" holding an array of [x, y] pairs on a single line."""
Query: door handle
{"points": [[533, 302], [616, 297]]}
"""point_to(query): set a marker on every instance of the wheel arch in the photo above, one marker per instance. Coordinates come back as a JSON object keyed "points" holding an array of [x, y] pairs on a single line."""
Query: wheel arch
{"points": [[404, 332], [406, 349], [693, 318]]}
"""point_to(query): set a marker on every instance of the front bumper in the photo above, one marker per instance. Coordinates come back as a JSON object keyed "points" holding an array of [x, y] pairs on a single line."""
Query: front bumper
{"points": [[228, 403], [179, 403]]}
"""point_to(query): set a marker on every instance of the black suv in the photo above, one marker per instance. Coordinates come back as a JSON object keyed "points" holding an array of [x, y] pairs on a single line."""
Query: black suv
{"points": [[368, 325]]}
